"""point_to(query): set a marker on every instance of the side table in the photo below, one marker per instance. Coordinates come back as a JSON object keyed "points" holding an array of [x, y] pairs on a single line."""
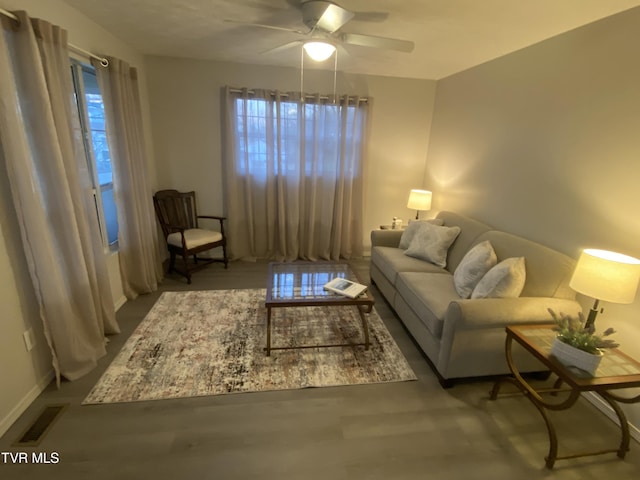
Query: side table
{"points": [[616, 371]]}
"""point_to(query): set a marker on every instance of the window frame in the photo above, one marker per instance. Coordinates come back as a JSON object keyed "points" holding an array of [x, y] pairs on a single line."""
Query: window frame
{"points": [[77, 70]]}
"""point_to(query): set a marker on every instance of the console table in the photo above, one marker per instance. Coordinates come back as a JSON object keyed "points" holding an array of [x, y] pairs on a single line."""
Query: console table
{"points": [[616, 371]]}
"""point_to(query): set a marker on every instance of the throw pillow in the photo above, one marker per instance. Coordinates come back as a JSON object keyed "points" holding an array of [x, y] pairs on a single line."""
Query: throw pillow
{"points": [[474, 265], [505, 280], [413, 227], [431, 243]]}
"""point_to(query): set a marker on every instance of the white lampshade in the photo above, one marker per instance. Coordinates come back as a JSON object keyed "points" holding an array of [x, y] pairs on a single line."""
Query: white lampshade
{"points": [[419, 200], [609, 276], [319, 51]]}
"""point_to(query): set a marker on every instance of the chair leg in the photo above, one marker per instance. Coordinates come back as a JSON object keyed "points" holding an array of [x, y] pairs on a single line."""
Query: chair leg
{"points": [[224, 255], [187, 273], [172, 260]]}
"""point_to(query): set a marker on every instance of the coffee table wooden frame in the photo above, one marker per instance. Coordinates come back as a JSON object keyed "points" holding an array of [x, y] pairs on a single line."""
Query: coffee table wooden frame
{"points": [[317, 297], [601, 384]]}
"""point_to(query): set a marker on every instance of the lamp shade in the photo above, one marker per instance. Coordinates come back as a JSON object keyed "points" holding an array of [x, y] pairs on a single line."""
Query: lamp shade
{"points": [[609, 276], [419, 200], [319, 51]]}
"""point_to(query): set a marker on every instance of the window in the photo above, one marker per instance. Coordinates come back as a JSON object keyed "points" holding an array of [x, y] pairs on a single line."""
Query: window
{"points": [[284, 138], [92, 123]]}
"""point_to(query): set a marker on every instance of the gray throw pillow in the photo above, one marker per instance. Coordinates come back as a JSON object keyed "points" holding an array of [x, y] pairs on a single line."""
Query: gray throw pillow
{"points": [[413, 227], [505, 280], [431, 243], [474, 265]]}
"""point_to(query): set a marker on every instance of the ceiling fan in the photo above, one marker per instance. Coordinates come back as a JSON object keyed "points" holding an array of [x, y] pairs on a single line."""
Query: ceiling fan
{"points": [[324, 20]]}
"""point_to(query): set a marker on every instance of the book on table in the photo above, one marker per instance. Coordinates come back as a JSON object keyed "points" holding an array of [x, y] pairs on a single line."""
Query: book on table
{"points": [[345, 287]]}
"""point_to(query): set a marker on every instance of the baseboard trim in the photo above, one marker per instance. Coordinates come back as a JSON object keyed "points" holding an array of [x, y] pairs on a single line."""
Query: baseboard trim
{"points": [[601, 405], [24, 403], [120, 302]]}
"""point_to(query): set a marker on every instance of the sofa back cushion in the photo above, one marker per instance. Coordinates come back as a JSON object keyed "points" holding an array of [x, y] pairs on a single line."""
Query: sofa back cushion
{"points": [[548, 271], [470, 231]]}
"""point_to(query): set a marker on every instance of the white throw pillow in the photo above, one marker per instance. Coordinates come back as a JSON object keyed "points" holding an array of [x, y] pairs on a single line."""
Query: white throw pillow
{"points": [[431, 243], [413, 227], [474, 265], [505, 280]]}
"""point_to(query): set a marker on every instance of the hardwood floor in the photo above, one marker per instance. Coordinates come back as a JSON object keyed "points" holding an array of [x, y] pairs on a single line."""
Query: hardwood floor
{"points": [[410, 430]]}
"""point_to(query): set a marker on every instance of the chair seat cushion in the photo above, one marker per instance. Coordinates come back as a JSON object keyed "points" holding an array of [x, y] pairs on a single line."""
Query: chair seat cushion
{"points": [[194, 237]]}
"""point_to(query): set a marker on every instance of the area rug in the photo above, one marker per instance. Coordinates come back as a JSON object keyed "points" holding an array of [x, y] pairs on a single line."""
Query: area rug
{"points": [[212, 342]]}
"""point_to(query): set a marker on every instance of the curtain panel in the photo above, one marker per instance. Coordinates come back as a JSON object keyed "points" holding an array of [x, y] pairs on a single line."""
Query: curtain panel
{"points": [[138, 243], [294, 171], [50, 186]]}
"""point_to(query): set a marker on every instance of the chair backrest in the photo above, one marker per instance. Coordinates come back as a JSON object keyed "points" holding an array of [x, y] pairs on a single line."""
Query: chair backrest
{"points": [[175, 209]]}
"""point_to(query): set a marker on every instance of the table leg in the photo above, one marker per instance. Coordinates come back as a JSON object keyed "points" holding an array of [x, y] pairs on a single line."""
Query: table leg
{"points": [[268, 349], [363, 311], [536, 400], [624, 425]]}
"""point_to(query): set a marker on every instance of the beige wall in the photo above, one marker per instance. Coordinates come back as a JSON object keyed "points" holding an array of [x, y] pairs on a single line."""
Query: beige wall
{"points": [[545, 143], [185, 109], [24, 374]]}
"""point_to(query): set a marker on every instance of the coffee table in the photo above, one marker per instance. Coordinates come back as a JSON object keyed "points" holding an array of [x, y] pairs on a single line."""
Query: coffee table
{"points": [[301, 284]]}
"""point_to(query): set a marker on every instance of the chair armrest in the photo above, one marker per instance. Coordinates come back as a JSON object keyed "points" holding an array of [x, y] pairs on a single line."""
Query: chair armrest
{"points": [[474, 314], [385, 238], [215, 217]]}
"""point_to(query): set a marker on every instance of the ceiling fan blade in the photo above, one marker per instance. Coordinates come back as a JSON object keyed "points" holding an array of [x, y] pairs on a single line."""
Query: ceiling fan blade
{"points": [[373, 17], [282, 48], [325, 16], [377, 42], [333, 18], [262, 25]]}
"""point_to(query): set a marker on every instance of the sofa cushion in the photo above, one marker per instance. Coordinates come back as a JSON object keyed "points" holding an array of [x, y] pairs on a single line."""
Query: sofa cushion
{"points": [[475, 264], [505, 280], [428, 295], [431, 243], [412, 229], [390, 261]]}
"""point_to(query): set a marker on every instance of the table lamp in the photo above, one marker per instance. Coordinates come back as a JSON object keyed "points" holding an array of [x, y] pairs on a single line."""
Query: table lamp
{"points": [[603, 275], [419, 200]]}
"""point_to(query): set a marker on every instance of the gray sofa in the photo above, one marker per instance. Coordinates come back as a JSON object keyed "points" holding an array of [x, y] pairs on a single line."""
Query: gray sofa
{"points": [[465, 337]]}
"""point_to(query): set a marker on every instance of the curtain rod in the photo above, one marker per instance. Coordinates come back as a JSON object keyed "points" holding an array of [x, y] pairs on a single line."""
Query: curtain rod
{"points": [[285, 95], [103, 61]]}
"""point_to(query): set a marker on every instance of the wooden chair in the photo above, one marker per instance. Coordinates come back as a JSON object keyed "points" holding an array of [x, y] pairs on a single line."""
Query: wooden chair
{"points": [[178, 218]]}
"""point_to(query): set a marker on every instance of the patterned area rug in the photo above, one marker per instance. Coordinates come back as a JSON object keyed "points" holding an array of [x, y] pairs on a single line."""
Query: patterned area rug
{"points": [[211, 342]]}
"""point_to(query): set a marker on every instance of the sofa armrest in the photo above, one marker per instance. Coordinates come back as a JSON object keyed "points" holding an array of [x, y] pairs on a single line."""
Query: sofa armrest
{"points": [[385, 238], [473, 314]]}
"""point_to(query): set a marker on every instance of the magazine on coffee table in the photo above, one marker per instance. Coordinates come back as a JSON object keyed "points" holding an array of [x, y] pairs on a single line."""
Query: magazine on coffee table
{"points": [[345, 287]]}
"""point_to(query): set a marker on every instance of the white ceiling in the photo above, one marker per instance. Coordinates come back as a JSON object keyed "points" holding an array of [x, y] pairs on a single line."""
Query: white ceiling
{"points": [[449, 35]]}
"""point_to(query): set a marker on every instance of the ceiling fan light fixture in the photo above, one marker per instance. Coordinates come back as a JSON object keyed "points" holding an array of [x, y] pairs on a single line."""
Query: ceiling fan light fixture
{"points": [[319, 51]]}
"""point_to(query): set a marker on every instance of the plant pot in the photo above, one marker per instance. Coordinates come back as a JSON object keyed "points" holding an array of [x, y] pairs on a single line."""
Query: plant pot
{"points": [[574, 357]]}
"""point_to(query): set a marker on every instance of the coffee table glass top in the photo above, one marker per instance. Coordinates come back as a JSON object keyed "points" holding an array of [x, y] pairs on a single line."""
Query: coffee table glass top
{"points": [[304, 281]]}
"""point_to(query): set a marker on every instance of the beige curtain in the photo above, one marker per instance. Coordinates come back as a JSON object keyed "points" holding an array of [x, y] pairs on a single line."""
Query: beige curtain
{"points": [[52, 195], [294, 175], [138, 244]]}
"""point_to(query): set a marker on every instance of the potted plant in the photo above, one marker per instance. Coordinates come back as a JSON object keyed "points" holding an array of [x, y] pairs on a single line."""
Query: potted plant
{"points": [[577, 346]]}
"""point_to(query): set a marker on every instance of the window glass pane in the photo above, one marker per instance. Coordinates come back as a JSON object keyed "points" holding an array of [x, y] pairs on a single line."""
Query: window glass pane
{"points": [[95, 112], [110, 214]]}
